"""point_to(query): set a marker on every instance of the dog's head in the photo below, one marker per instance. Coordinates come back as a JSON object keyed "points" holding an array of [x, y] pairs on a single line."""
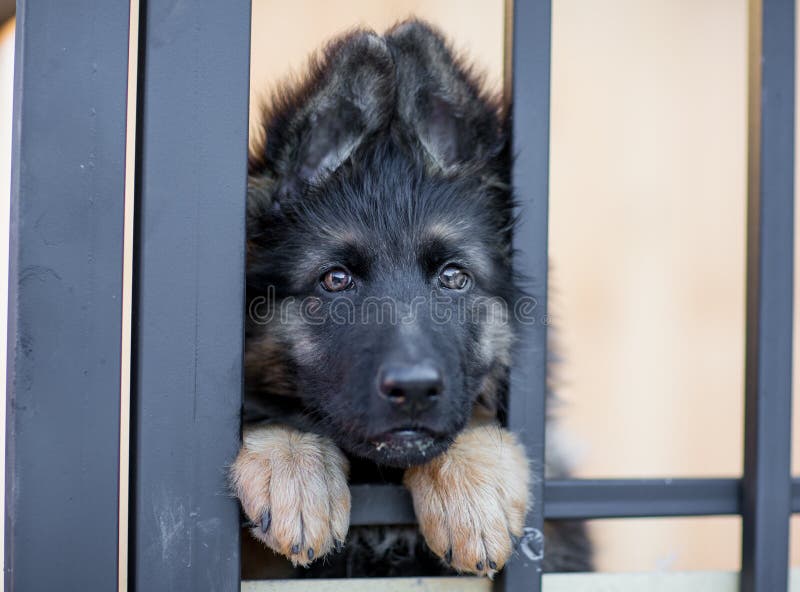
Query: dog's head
{"points": [[379, 246]]}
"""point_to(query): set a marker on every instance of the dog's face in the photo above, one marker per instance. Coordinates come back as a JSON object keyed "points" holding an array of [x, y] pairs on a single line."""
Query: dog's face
{"points": [[379, 263]]}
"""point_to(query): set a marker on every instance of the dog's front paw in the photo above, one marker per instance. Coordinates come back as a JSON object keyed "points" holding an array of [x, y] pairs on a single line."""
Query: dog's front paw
{"points": [[293, 487], [472, 500]]}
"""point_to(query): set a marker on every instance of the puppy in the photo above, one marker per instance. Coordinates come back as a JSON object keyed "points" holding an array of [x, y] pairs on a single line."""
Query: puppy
{"points": [[380, 293]]}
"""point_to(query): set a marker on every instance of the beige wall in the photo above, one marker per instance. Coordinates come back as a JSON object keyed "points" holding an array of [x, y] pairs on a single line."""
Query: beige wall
{"points": [[648, 178], [647, 239], [648, 171]]}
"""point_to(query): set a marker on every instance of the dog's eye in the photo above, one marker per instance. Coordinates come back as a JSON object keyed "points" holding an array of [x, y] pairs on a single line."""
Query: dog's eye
{"points": [[336, 280], [454, 278]]}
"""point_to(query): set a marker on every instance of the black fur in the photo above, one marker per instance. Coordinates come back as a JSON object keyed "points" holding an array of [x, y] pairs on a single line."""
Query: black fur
{"points": [[391, 161]]}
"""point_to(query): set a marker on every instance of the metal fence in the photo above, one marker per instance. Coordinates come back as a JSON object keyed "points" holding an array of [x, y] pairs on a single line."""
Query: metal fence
{"points": [[67, 519]]}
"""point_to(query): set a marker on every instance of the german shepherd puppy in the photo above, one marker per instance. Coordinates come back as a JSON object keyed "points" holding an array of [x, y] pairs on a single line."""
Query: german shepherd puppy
{"points": [[380, 291]]}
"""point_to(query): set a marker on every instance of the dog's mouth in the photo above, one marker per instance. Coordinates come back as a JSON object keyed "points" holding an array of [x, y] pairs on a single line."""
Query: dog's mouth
{"points": [[403, 446], [407, 433], [405, 437], [406, 446]]}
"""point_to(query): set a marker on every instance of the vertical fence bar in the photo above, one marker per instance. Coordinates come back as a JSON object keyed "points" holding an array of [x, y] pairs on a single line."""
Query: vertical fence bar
{"points": [[65, 295], [529, 95], [189, 285], [768, 398]]}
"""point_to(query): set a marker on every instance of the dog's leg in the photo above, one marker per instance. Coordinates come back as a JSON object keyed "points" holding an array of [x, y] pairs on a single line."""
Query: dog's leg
{"points": [[471, 500], [293, 487]]}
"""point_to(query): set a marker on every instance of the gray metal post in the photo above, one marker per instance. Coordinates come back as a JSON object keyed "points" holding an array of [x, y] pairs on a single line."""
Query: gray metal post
{"points": [[768, 397], [65, 295], [189, 294], [530, 102]]}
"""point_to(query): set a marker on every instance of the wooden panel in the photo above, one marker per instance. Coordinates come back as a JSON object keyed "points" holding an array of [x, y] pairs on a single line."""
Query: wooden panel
{"points": [[698, 581]]}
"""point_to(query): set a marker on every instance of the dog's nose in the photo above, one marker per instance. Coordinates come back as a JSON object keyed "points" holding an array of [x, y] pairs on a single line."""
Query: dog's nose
{"points": [[412, 387]]}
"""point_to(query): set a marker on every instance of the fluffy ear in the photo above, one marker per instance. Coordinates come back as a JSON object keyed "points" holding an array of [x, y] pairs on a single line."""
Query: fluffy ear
{"points": [[440, 100], [310, 130]]}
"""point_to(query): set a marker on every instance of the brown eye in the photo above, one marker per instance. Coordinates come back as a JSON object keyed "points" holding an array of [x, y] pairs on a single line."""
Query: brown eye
{"points": [[454, 278], [336, 280]]}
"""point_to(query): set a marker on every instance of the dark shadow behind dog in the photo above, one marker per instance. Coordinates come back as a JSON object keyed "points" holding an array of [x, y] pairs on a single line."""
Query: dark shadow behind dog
{"points": [[379, 334]]}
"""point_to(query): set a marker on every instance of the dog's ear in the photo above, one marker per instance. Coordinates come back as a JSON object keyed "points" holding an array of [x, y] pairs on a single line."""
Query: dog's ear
{"points": [[441, 100], [310, 131]]}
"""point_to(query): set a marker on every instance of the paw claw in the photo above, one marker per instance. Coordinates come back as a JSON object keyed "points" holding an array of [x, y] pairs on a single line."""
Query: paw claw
{"points": [[338, 545], [479, 566], [448, 557], [295, 549], [492, 565], [310, 554]]}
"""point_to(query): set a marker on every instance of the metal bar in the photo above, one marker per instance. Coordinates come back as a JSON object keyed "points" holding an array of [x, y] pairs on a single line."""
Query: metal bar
{"points": [[586, 499], [65, 288], [766, 490], [529, 51], [639, 498], [189, 293], [380, 504]]}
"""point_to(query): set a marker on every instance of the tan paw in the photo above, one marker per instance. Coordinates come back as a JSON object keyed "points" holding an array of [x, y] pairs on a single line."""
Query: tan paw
{"points": [[471, 500], [293, 488]]}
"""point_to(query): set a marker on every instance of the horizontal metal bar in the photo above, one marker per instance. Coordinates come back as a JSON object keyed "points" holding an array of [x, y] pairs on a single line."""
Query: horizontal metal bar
{"points": [[628, 498], [381, 504], [585, 499]]}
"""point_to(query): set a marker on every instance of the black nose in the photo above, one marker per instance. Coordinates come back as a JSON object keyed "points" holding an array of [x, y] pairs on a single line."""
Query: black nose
{"points": [[412, 387]]}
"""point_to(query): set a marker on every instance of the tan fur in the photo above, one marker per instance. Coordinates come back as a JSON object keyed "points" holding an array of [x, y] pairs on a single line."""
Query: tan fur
{"points": [[488, 400], [301, 480], [496, 333], [266, 367], [470, 500]]}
